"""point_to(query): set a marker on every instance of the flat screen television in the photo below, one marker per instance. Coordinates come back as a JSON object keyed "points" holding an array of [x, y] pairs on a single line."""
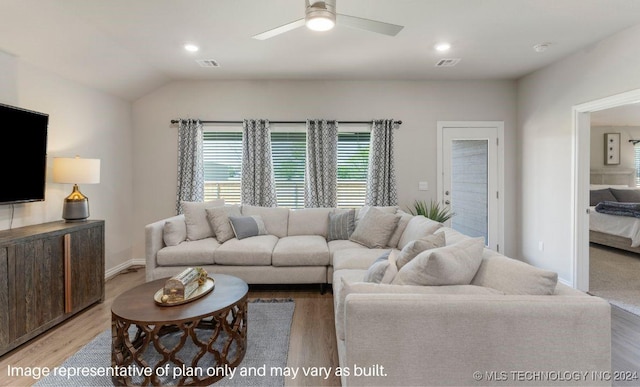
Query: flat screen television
{"points": [[23, 155]]}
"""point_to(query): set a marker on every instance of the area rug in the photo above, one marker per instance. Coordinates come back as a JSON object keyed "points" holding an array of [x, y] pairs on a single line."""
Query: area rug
{"points": [[268, 330], [615, 276]]}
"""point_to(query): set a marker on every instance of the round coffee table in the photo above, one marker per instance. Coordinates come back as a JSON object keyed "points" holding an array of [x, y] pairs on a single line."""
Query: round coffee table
{"points": [[190, 344]]}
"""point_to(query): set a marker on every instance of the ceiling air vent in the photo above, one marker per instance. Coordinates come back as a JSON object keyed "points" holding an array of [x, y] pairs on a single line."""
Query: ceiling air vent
{"points": [[208, 63], [447, 62]]}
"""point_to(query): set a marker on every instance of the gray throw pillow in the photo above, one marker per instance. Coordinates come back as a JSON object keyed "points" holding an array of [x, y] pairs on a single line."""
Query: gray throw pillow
{"points": [[402, 225], [456, 264], [377, 269], [601, 195], [341, 225], [247, 226], [218, 218], [626, 195], [413, 248], [375, 229]]}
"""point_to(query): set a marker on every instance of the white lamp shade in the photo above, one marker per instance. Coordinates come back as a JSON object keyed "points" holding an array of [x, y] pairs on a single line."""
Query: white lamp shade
{"points": [[76, 170]]}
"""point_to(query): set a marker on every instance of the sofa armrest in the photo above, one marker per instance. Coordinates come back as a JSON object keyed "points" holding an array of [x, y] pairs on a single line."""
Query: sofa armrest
{"points": [[445, 339], [154, 242]]}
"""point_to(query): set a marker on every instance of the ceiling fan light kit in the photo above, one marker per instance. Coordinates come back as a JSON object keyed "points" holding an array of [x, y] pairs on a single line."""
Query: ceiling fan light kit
{"points": [[321, 15]]}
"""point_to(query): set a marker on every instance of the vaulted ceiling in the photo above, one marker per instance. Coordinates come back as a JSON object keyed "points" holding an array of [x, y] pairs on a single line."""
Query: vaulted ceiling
{"points": [[130, 47]]}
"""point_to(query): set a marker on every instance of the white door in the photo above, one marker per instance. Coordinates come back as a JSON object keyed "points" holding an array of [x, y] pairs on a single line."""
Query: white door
{"points": [[469, 184]]}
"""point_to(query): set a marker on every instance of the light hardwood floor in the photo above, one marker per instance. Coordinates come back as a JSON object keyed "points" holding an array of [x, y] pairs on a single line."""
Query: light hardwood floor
{"points": [[312, 341]]}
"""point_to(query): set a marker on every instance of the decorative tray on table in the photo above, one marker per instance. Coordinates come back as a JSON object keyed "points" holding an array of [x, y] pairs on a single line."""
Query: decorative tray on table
{"points": [[201, 291]]}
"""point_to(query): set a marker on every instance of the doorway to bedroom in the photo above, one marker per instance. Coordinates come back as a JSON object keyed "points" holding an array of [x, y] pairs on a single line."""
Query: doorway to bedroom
{"points": [[606, 259]]}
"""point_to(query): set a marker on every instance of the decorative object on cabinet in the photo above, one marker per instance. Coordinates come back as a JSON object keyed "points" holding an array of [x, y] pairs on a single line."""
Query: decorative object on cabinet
{"points": [[76, 171]]}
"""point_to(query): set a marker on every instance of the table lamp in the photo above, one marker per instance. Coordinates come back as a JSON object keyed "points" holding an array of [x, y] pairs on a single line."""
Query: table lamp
{"points": [[76, 171]]}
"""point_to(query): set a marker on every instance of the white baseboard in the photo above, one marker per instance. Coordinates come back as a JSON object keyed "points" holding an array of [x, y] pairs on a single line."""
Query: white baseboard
{"points": [[123, 266]]}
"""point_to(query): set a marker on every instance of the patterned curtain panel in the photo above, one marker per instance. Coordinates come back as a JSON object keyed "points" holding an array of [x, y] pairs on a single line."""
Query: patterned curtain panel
{"points": [[190, 163], [322, 162], [258, 182], [381, 181]]}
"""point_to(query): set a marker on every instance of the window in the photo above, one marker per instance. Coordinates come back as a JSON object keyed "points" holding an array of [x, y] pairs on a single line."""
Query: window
{"points": [[223, 161], [289, 153], [353, 163]]}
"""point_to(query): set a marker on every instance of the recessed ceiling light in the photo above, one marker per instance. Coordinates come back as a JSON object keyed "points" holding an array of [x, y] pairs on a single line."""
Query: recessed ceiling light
{"points": [[191, 47], [444, 46]]}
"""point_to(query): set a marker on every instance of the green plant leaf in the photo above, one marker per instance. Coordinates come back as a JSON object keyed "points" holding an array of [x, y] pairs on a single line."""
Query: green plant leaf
{"points": [[431, 210]]}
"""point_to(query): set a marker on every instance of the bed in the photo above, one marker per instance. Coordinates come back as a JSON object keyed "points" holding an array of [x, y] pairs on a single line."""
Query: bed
{"points": [[621, 232]]}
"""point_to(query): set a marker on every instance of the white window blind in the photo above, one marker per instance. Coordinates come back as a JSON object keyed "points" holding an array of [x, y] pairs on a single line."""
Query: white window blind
{"points": [[636, 149], [289, 152], [223, 162], [353, 162]]}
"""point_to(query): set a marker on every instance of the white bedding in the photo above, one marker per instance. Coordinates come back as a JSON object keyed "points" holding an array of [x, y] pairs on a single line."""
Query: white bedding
{"points": [[624, 226]]}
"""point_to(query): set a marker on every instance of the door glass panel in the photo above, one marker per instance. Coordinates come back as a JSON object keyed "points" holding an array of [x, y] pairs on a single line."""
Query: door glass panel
{"points": [[469, 187]]}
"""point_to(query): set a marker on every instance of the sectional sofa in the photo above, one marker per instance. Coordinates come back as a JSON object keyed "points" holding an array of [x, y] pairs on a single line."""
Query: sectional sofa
{"points": [[453, 314]]}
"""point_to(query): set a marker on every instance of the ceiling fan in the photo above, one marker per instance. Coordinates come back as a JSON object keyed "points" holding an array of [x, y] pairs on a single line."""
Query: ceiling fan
{"points": [[320, 15]]}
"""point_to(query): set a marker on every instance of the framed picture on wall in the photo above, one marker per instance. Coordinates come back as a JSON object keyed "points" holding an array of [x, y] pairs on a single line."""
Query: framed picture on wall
{"points": [[612, 148]]}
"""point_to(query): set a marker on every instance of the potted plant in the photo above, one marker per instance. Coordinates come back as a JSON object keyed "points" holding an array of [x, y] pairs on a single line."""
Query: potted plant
{"points": [[431, 210]]}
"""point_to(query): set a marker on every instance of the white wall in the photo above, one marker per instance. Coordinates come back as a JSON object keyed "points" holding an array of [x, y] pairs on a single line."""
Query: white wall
{"points": [[418, 104], [85, 122], [627, 152], [545, 99]]}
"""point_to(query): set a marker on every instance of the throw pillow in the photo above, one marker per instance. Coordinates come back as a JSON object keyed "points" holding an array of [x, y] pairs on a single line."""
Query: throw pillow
{"points": [[449, 265], [341, 225], [402, 225], [418, 227], [383, 269], [601, 195], [413, 248], [218, 218], [247, 226], [626, 195], [363, 211], [375, 228], [514, 277], [195, 218], [174, 232]]}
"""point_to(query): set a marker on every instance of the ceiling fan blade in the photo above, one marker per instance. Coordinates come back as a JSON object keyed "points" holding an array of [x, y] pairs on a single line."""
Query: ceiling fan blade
{"points": [[369, 25], [279, 30]]}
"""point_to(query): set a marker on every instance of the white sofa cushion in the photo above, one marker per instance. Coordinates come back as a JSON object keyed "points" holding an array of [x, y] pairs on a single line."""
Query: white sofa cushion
{"points": [[255, 250], [275, 219], [191, 253], [375, 229], [418, 227], [309, 221], [195, 218], [174, 232], [340, 244], [514, 277], [449, 265], [358, 258], [301, 250]]}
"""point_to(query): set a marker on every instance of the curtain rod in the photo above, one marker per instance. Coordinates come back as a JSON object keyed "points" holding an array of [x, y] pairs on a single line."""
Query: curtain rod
{"points": [[398, 122]]}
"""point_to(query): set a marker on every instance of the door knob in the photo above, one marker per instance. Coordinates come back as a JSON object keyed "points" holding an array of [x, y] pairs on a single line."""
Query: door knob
{"points": [[446, 193], [447, 202]]}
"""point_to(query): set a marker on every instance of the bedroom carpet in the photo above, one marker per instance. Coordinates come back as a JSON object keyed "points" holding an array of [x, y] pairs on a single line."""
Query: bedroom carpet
{"points": [[615, 276]]}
